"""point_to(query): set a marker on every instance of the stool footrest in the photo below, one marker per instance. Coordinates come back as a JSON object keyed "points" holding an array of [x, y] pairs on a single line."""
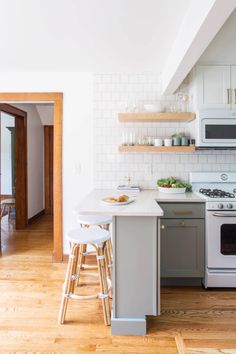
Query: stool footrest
{"points": [[91, 253], [87, 266], [86, 297]]}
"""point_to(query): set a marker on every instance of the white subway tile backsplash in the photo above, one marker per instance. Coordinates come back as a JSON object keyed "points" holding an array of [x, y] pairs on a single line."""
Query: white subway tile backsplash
{"points": [[114, 93]]}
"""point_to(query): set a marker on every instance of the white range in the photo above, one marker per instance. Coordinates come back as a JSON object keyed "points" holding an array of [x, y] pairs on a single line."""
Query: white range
{"points": [[219, 190]]}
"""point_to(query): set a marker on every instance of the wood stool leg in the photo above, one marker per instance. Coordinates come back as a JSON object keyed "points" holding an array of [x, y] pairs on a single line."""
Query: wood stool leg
{"points": [[75, 275], [109, 242], [110, 249], [84, 250], [79, 264], [103, 284], [3, 210], [108, 259], [67, 285], [9, 210]]}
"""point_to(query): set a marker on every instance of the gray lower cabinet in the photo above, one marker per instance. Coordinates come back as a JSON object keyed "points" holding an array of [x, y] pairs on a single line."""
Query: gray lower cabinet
{"points": [[182, 241]]}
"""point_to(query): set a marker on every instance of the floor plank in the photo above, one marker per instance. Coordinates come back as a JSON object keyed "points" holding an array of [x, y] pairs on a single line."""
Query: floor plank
{"points": [[193, 321]]}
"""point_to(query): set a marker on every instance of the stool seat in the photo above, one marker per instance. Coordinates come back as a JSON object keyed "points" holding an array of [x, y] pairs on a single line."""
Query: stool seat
{"points": [[10, 201], [94, 219], [88, 235]]}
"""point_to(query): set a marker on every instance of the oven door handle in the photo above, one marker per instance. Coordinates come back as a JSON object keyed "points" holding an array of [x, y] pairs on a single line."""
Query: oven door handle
{"points": [[223, 215]]}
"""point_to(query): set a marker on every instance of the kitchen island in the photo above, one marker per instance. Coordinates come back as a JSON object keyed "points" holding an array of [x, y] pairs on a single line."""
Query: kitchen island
{"points": [[136, 254]]}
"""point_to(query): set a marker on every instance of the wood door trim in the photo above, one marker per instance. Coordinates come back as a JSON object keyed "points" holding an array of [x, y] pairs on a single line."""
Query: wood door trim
{"points": [[20, 163], [48, 168], [57, 99]]}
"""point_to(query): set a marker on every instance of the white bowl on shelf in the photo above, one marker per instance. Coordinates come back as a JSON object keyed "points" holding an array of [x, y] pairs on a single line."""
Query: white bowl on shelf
{"points": [[158, 142], [172, 190], [152, 107]]}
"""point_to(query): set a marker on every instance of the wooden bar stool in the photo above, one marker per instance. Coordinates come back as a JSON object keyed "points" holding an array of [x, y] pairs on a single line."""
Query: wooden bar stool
{"points": [[103, 221], [86, 236]]}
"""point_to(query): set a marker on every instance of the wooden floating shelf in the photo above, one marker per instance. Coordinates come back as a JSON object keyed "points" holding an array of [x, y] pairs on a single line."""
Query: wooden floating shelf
{"points": [[145, 148], [157, 117]]}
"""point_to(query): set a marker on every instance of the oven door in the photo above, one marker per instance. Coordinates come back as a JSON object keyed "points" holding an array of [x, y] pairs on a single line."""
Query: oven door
{"points": [[218, 132], [221, 239]]}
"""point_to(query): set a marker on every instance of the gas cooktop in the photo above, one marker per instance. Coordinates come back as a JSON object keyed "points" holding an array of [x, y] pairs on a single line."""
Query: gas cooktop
{"points": [[216, 193]]}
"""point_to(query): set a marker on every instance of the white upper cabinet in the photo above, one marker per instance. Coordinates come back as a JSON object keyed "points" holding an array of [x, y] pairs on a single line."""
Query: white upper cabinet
{"points": [[214, 86]]}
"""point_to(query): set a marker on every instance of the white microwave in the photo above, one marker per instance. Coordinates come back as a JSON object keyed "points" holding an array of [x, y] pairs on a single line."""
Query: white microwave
{"points": [[216, 129]]}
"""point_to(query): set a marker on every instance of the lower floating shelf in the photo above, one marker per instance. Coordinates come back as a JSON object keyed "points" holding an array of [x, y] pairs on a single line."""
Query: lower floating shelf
{"points": [[145, 148]]}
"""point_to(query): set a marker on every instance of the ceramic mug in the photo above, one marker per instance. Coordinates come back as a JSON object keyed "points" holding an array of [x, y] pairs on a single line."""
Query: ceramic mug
{"points": [[184, 141], [168, 142], [176, 141], [158, 142]]}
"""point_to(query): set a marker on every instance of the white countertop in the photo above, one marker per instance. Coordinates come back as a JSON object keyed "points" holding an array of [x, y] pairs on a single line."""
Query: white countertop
{"points": [[190, 197], [144, 205]]}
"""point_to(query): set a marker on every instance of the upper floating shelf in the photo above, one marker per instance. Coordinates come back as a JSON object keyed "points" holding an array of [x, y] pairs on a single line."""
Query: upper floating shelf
{"points": [[157, 117]]}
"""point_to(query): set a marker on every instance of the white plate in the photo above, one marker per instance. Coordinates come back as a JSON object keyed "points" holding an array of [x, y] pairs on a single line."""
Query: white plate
{"points": [[130, 200], [172, 190]]}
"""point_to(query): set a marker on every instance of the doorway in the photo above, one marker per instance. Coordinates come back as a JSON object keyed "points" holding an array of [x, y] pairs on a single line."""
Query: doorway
{"points": [[56, 143], [18, 160]]}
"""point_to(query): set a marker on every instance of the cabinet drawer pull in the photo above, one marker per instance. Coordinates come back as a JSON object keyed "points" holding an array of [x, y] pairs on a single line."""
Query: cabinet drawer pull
{"points": [[163, 227], [182, 223], [186, 212]]}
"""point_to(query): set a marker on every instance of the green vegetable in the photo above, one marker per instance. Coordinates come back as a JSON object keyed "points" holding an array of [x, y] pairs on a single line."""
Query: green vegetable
{"points": [[172, 182]]}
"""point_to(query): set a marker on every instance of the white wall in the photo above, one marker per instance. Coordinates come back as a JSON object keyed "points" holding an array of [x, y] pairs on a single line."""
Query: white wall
{"points": [[6, 168], [45, 112], [77, 129], [222, 50], [35, 159]]}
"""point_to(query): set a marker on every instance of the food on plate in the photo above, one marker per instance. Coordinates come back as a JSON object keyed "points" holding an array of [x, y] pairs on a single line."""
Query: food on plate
{"points": [[110, 199], [172, 182], [120, 199]]}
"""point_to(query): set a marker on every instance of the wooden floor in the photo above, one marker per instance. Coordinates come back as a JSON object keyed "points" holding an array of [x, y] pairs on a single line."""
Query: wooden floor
{"points": [[193, 320]]}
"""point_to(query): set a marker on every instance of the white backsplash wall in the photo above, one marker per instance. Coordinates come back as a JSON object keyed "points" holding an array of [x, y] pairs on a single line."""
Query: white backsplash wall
{"points": [[113, 93]]}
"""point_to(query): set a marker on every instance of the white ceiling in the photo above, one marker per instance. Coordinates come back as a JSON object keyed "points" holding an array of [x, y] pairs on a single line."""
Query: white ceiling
{"points": [[88, 35], [222, 50]]}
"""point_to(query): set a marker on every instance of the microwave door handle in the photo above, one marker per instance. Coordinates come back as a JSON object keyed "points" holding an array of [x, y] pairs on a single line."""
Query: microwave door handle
{"points": [[223, 215], [228, 96]]}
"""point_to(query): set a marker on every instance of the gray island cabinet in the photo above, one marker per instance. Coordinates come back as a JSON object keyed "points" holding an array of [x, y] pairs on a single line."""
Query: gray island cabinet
{"points": [[142, 239], [136, 258], [182, 242]]}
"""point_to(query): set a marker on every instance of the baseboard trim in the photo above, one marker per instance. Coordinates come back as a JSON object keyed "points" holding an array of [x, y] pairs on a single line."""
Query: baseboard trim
{"points": [[181, 281], [36, 216], [128, 326], [89, 259]]}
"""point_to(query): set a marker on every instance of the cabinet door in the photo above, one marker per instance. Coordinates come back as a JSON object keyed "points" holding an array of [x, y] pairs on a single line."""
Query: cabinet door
{"points": [[182, 247], [213, 87], [233, 86]]}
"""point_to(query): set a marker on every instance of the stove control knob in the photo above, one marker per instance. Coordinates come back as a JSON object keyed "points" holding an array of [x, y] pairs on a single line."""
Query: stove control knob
{"points": [[220, 206], [229, 206]]}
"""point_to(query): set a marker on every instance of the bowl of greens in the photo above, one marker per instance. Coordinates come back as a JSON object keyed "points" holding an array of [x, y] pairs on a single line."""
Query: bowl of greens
{"points": [[173, 185]]}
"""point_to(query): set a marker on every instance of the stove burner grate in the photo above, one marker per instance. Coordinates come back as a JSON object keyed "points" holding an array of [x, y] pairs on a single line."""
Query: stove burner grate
{"points": [[216, 193]]}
